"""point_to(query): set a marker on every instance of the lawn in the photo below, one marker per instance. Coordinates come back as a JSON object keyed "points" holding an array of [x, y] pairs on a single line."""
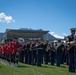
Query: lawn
{"points": [[24, 69]]}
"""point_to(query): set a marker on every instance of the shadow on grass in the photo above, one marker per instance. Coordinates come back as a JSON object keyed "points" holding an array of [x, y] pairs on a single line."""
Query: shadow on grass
{"points": [[63, 66], [22, 66], [0, 66], [48, 66]]}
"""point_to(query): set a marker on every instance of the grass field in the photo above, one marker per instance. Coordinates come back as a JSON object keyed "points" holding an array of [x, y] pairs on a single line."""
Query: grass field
{"points": [[24, 69]]}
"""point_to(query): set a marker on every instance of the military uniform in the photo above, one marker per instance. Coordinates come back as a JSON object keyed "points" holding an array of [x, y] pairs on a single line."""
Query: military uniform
{"points": [[22, 54], [71, 50], [59, 52], [46, 52], [34, 56], [29, 53], [26, 54], [71, 55], [39, 54], [52, 51]]}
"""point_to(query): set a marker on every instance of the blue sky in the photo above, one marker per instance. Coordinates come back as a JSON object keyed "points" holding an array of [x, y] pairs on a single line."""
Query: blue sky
{"points": [[56, 16]]}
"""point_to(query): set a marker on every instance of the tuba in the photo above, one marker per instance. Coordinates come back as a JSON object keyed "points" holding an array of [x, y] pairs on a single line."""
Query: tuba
{"points": [[31, 47], [21, 40], [48, 47]]}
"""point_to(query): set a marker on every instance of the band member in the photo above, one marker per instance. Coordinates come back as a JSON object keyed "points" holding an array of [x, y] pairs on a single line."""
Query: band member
{"points": [[52, 51], [1, 52], [34, 56], [71, 51], [22, 53], [59, 48], [75, 51], [29, 48], [67, 54], [39, 53], [46, 52], [26, 53], [15, 51], [7, 52], [63, 58]]}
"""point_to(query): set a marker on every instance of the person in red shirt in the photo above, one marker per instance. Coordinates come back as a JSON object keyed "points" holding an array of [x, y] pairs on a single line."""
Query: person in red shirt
{"points": [[15, 52], [0, 51]]}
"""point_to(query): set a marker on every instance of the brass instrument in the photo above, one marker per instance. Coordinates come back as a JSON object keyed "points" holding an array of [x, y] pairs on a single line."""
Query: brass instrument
{"points": [[73, 43], [70, 46], [31, 47], [48, 47]]}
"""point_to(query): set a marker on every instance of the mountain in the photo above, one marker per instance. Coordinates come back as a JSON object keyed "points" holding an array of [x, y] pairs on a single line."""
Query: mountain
{"points": [[30, 29], [25, 29]]}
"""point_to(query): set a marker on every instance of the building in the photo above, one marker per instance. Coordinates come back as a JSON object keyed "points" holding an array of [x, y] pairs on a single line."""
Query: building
{"points": [[26, 34], [1, 35], [48, 36]]}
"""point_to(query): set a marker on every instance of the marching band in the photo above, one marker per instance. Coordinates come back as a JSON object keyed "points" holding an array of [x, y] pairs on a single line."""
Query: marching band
{"points": [[38, 52]]}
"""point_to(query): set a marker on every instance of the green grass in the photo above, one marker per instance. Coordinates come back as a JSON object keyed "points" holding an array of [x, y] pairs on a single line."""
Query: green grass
{"points": [[24, 69]]}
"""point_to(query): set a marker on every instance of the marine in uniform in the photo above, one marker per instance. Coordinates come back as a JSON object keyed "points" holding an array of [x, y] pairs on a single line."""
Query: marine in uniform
{"points": [[52, 51], [59, 48], [46, 53], [39, 53], [72, 49], [34, 56]]}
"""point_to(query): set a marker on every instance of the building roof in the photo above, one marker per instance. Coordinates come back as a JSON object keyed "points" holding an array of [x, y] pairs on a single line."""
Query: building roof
{"points": [[25, 33], [49, 37]]}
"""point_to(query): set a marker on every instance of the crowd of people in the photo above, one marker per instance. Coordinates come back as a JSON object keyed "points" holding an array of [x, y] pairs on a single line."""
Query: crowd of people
{"points": [[38, 52]]}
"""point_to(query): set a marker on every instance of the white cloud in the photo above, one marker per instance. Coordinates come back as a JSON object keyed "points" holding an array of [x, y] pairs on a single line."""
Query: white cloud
{"points": [[4, 18], [55, 35]]}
